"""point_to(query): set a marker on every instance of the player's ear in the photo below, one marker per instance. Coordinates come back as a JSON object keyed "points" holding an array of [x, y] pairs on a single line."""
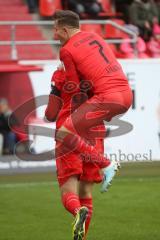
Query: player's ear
{"points": [[66, 31], [63, 28]]}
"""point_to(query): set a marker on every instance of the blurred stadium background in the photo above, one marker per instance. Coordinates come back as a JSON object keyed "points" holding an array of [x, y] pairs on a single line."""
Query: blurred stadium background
{"points": [[30, 205]]}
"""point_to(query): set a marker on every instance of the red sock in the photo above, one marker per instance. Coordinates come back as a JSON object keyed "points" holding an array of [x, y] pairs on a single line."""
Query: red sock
{"points": [[71, 202], [76, 143], [87, 202]]}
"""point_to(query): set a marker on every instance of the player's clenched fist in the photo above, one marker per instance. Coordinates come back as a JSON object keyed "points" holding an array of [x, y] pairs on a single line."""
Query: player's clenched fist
{"points": [[58, 79]]}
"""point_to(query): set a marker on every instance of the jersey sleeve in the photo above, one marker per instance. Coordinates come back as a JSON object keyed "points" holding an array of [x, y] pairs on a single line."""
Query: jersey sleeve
{"points": [[70, 69], [53, 107]]}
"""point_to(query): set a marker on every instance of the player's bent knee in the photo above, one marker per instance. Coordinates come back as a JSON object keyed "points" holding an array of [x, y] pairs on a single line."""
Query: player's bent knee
{"points": [[70, 185]]}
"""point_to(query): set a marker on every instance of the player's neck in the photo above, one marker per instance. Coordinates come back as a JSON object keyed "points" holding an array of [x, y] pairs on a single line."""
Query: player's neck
{"points": [[74, 32], [70, 35]]}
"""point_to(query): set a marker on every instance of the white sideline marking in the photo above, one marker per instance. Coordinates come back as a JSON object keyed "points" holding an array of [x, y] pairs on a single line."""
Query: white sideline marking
{"points": [[50, 183], [27, 184]]}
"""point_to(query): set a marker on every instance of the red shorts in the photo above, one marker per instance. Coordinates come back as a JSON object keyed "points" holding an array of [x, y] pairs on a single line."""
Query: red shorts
{"points": [[72, 164]]}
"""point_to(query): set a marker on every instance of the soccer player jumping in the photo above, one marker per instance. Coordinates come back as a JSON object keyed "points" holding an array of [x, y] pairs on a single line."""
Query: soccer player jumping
{"points": [[88, 56]]}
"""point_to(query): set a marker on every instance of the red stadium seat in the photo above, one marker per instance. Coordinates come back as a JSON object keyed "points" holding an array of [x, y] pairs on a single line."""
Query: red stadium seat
{"points": [[29, 52], [106, 5], [108, 10], [6, 35], [8, 12], [18, 79], [36, 52], [15, 17], [116, 51], [48, 7], [97, 28], [5, 53], [13, 9], [10, 2], [113, 32]]}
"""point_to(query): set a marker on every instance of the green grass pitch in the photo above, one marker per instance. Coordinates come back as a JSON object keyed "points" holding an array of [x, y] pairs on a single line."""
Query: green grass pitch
{"points": [[30, 207]]}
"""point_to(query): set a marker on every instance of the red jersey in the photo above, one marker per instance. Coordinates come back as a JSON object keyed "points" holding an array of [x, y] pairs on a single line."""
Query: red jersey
{"points": [[89, 56], [65, 110], [70, 98]]}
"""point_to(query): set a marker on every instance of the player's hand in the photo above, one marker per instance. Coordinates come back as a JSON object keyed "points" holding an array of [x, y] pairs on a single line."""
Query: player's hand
{"points": [[58, 78]]}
